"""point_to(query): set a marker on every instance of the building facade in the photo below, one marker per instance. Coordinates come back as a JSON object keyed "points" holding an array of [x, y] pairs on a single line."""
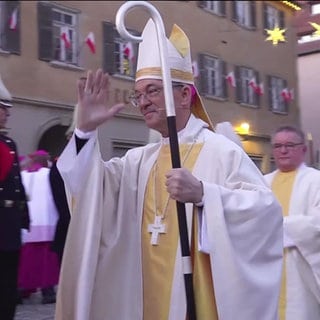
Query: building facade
{"points": [[307, 24], [47, 46]]}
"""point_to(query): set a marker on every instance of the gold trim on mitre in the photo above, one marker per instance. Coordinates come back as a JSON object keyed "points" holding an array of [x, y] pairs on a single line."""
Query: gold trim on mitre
{"points": [[176, 74]]}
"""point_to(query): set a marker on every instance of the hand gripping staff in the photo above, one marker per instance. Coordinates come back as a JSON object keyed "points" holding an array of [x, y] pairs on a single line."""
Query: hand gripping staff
{"points": [[173, 137]]}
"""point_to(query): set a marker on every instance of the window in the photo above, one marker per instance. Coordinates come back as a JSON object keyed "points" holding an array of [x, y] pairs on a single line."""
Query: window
{"points": [[277, 101], [272, 17], [216, 7], [247, 86], [244, 13], [10, 36], [119, 56], [63, 22], [212, 76], [54, 22]]}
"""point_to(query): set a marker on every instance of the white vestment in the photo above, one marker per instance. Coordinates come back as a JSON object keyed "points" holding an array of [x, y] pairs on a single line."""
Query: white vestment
{"points": [[302, 238], [42, 210], [240, 228]]}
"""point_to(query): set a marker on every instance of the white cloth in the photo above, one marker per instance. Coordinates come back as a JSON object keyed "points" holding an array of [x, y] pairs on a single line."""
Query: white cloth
{"points": [[302, 237], [42, 210], [101, 275]]}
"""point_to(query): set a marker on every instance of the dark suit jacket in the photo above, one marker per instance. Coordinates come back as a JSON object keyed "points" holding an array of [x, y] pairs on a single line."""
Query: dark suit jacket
{"points": [[60, 199], [12, 218]]}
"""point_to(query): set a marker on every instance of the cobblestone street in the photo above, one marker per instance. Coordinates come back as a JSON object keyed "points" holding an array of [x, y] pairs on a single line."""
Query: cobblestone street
{"points": [[33, 309]]}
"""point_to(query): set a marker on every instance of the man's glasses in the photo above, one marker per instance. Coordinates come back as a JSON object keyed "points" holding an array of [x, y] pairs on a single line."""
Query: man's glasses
{"points": [[150, 93], [287, 146]]}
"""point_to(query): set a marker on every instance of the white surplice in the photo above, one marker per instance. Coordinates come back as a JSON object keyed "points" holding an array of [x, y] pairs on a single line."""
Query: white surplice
{"points": [[302, 238], [241, 230], [42, 209]]}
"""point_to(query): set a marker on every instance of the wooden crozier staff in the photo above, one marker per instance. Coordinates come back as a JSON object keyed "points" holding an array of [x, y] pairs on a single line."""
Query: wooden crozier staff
{"points": [[173, 137]]}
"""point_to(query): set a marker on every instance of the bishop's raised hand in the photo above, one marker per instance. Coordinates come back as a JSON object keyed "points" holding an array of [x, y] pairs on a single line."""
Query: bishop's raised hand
{"points": [[93, 94]]}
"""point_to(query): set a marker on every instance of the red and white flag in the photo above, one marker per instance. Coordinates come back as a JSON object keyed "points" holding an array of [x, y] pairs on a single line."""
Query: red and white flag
{"points": [[291, 94], [287, 94], [91, 42], [128, 50], [259, 89], [231, 79], [253, 84], [64, 33], [13, 21], [195, 69]]}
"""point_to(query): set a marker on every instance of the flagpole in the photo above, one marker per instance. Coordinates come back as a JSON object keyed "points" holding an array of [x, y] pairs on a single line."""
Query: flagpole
{"points": [[173, 137]]}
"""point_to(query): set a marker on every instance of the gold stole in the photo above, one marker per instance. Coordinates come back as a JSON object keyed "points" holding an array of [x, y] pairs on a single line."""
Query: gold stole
{"points": [[282, 185], [158, 261]]}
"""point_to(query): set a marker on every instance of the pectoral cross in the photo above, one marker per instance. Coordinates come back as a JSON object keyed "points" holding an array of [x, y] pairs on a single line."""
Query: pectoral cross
{"points": [[155, 229]]}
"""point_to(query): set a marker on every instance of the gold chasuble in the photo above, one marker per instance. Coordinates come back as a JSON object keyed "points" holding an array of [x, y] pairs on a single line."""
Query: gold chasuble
{"points": [[158, 259], [282, 185]]}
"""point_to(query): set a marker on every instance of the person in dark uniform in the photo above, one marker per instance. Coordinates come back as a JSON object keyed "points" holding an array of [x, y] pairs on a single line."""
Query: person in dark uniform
{"points": [[60, 200], [14, 214]]}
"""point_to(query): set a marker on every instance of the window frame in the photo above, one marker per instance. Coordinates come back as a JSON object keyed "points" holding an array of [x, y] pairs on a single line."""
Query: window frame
{"points": [[277, 18], [248, 15], [212, 79], [48, 34], [9, 39], [276, 102], [245, 94], [113, 55], [71, 28], [215, 7]]}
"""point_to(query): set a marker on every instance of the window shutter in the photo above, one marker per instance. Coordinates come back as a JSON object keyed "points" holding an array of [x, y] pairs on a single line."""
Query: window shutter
{"points": [[258, 84], [281, 20], [203, 75], [265, 18], [234, 10], [269, 89], [222, 8], [238, 84], [253, 13], [12, 37], [45, 29], [223, 79], [109, 64]]}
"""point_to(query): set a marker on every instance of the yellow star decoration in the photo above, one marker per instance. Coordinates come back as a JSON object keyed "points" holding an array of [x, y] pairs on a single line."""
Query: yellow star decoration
{"points": [[317, 27], [276, 35]]}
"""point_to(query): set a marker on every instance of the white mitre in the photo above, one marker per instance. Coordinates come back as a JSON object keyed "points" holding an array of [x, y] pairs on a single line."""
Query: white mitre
{"points": [[179, 62]]}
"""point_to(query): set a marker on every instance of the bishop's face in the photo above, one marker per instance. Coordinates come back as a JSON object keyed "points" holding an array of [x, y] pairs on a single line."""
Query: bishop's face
{"points": [[149, 98]]}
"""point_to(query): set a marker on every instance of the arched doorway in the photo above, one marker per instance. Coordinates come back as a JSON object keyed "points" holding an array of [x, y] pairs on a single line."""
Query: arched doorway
{"points": [[54, 140]]}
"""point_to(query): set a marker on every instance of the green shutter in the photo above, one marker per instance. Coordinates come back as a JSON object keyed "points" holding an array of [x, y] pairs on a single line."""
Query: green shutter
{"points": [[223, 8], [12, 37], [253, 13], [109, 63], [238, 84], [203, 75], [45, 29], [269, 89], [223, 80]]}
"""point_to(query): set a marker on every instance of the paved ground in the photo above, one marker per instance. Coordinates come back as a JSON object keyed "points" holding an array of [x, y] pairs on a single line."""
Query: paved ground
{"points": [[33, 309]]}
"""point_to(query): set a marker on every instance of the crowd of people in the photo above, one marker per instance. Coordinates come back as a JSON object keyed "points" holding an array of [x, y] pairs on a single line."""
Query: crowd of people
{"points": [[254, 239], [34, 218]]}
